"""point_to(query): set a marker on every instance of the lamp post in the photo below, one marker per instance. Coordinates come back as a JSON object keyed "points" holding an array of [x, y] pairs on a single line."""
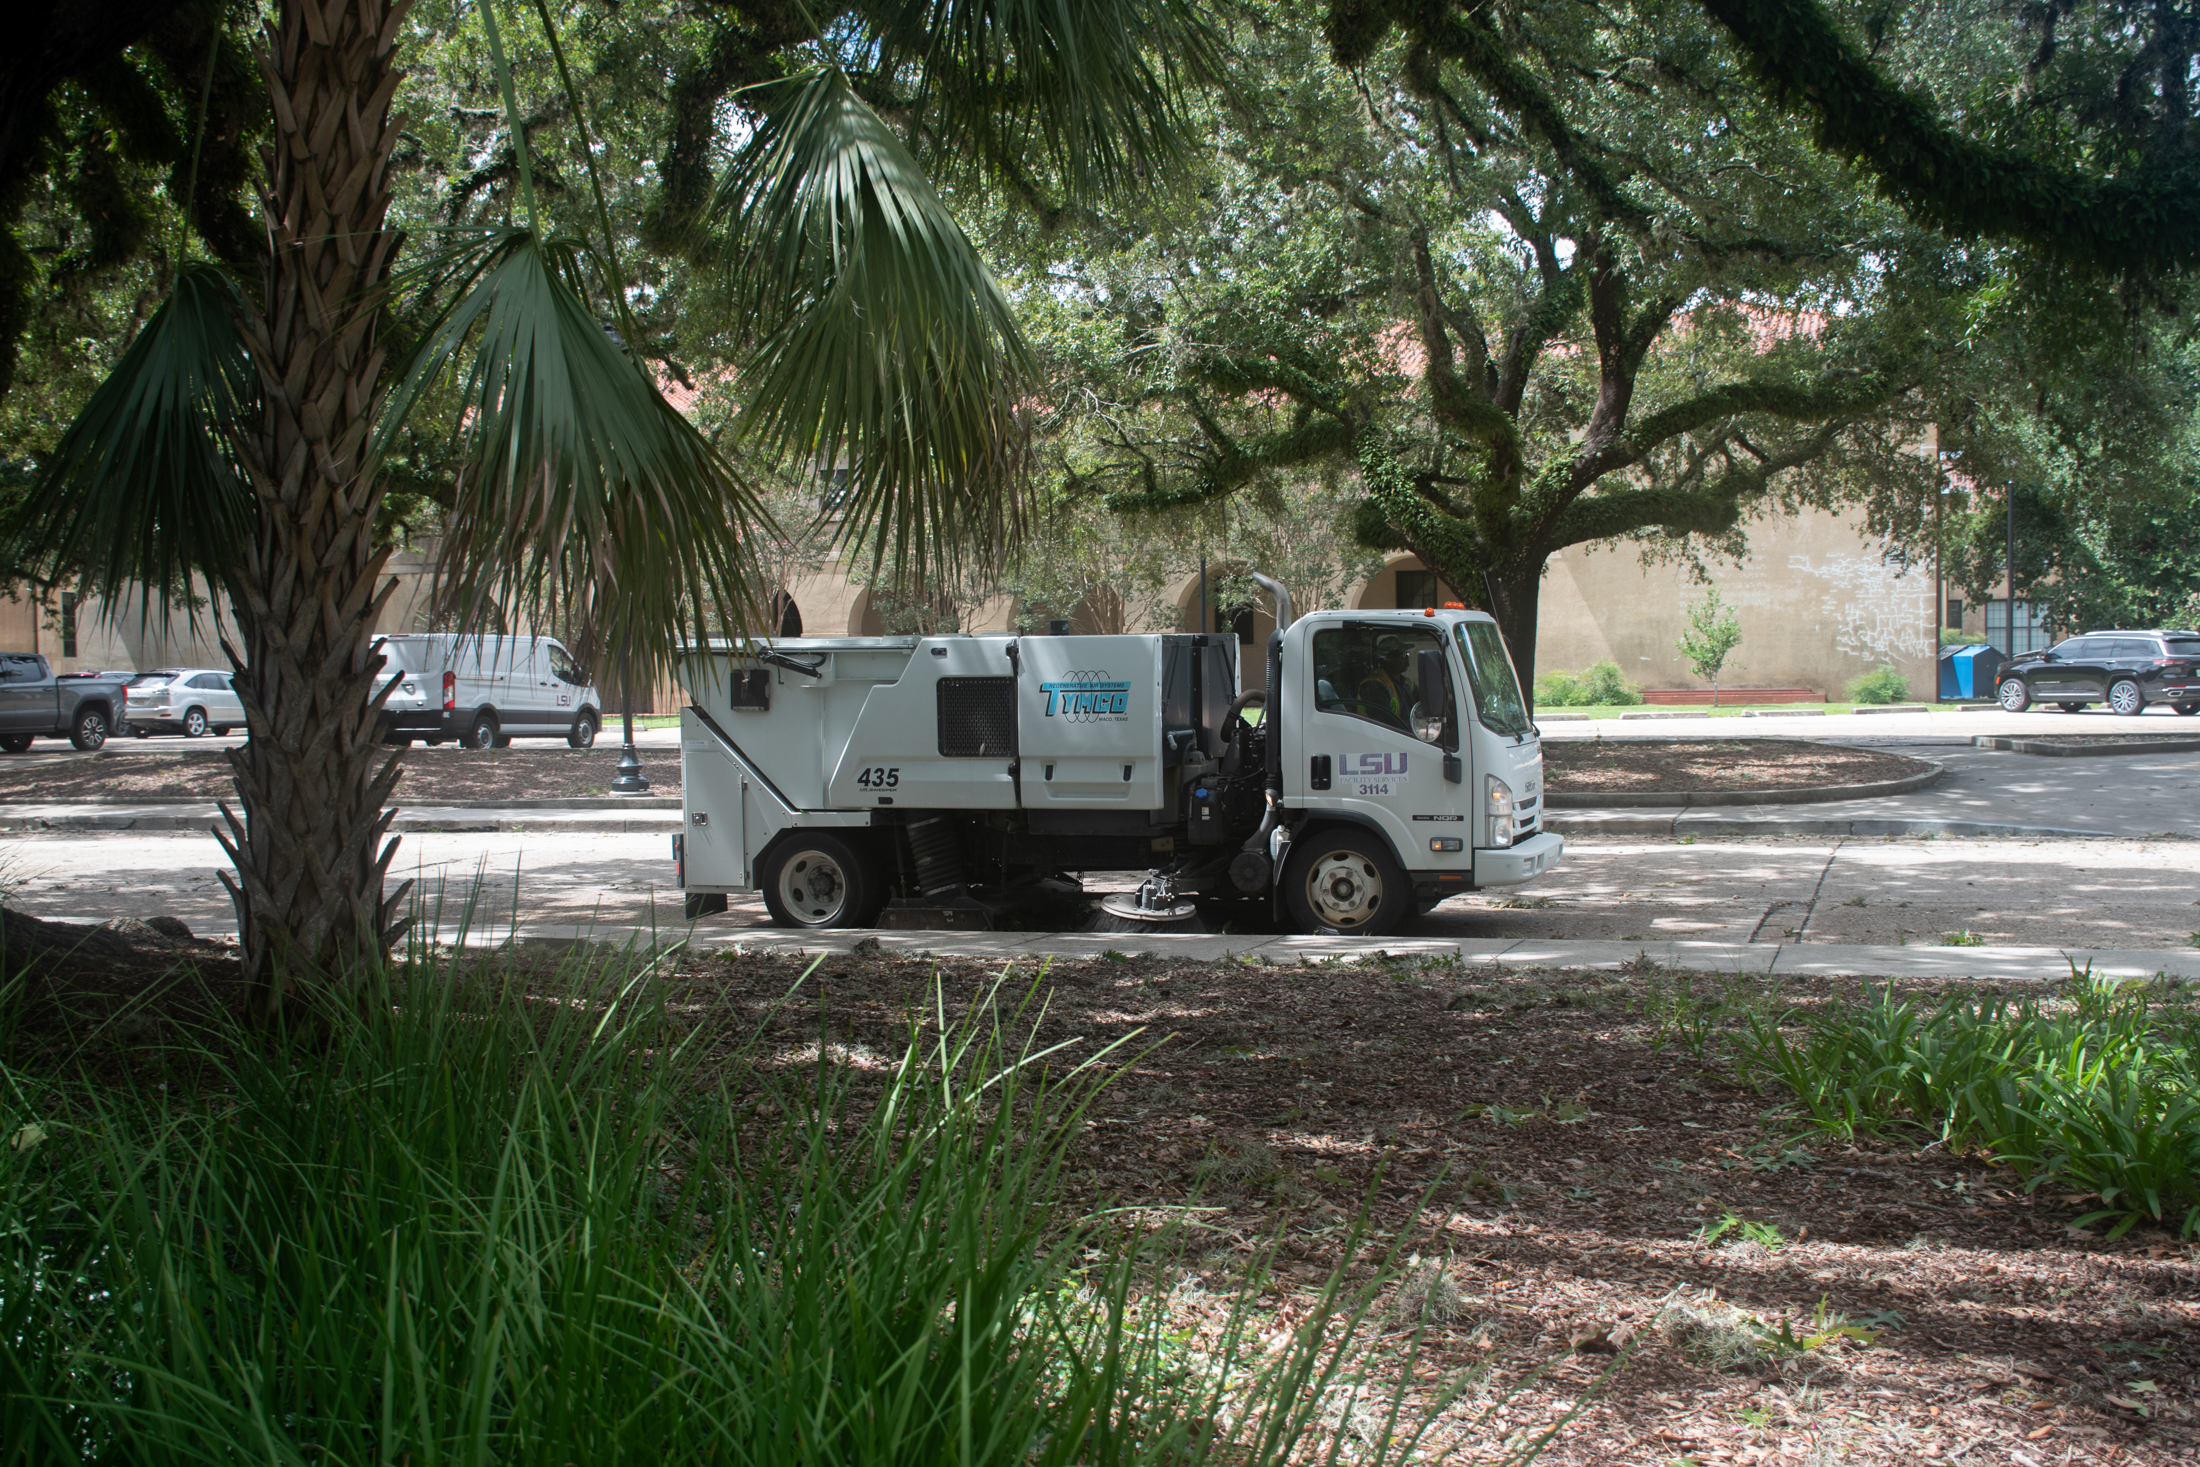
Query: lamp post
{"points": [[2012, 618], [630, 780]]}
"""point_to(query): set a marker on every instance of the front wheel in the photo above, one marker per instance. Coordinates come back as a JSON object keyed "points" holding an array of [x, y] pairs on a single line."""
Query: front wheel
{"points": [[2125, 698], [1345, 882], [194, 724], [90, 730], [2013, 696], [816, 880], [583, 734], [16, 743]]}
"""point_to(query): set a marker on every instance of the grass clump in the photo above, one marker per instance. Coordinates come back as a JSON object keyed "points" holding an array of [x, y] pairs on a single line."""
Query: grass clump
{"points": [[495, 1216], [2100, 1094]]}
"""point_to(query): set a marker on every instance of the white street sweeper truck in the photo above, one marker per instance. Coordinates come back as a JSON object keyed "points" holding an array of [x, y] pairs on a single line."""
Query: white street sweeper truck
{"points": [[946, 781]]}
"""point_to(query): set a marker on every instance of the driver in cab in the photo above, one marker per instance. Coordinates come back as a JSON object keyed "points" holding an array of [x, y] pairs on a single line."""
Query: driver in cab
{"points": [[1385, 692]]}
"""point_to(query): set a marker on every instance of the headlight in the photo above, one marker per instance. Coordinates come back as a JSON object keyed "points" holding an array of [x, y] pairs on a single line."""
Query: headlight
{"points": [[1497, 807]]}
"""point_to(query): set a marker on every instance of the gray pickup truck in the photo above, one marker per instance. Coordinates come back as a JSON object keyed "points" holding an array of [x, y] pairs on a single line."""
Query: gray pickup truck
{"points": [[34, 704]]}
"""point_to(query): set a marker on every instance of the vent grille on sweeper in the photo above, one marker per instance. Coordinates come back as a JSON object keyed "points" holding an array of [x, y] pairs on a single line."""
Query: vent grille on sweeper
{"points": [[977, 717]]}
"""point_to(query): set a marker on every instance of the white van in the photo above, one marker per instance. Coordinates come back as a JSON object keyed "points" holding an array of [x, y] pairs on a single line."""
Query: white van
{"points": [[495, 689]]}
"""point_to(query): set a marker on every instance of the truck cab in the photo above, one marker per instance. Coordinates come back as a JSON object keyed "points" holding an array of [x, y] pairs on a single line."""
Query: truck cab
{"points": [[1405, 744]]}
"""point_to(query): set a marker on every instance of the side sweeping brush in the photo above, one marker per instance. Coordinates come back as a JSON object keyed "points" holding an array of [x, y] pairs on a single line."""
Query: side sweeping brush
{"points": [[1156, 906]]}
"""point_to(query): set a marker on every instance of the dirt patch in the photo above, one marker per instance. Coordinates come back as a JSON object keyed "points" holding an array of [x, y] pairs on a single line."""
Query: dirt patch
{"points": [[1615, 766], [431, 775], [1567, 1183]]}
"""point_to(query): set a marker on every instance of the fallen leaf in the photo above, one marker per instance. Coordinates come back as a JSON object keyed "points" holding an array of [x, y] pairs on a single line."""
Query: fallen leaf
{"points": [[29, 1136], [2033, 1436]]}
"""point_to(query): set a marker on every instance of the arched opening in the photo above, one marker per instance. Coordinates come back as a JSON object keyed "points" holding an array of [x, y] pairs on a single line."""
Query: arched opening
{"points": [[786, 616], [1231, 612], [1404, 582]]}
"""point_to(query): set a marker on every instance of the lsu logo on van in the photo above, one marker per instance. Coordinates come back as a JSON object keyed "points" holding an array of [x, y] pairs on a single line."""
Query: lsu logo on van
{"points": [[1088, 697]]}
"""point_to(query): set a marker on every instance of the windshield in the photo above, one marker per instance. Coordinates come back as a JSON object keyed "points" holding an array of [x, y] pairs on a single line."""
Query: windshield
{"points": [[1496, 691], [152, 679]]}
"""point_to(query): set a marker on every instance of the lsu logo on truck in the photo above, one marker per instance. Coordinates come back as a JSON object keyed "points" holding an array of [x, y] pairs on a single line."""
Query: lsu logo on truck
{"points": [[1368, 771]]}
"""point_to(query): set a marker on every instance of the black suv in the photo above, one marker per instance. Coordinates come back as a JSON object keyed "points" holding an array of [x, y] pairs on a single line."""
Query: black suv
{"points": [[2125, 670]]}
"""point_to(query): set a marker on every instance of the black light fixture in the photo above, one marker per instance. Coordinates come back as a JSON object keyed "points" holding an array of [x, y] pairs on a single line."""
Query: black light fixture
{"points": [[630, 779]]}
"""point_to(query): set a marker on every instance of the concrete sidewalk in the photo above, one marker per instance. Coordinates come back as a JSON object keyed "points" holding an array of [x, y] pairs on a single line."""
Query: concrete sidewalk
{"points": [[456, 819]]}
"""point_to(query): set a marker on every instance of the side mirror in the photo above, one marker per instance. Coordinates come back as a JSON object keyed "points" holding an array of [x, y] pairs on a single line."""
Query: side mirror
{"points": [[1432, 714]]}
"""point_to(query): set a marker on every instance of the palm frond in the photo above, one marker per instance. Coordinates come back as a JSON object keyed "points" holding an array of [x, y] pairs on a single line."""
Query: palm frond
{"points": [[883, 344], [142, 491], [1093, 86], [587, 499]]}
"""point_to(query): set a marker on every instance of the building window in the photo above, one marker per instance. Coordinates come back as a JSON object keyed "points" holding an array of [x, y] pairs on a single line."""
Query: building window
{"points": [[68, 624], [2033, 633], [1955, 611], [1416, 589]]}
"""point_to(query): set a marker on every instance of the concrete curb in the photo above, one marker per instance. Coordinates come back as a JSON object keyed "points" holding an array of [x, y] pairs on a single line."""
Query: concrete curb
{"points": [[1675, 823], [1696, 799], [2084, 751]]}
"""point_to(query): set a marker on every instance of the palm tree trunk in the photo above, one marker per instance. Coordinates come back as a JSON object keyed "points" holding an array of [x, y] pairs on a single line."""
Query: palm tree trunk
{"points": [[309, 849]]}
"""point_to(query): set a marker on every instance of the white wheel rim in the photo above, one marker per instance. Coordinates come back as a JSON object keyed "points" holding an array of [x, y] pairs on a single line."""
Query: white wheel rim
{"points": [[813, 887], [1344, 889], [194, 723], [2012, 693], [2123, 697]]}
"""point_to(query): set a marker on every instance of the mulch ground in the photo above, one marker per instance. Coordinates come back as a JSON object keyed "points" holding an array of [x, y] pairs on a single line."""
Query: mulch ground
{"points": [[1604, 1224], [1613, 766], [431, 775], [1566, 1178]]}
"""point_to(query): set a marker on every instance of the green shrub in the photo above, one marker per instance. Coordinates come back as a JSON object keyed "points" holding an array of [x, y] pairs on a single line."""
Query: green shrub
{"points": [[503, 1221], [1883, 686], [1556, 689], [1597, 686], [2102, 1097], [1602, 685]]}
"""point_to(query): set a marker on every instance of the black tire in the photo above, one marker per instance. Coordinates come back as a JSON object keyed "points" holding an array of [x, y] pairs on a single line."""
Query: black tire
{"points": [[484, 733], [813, 879], [90, 729], [703, 904], [2125, 699], [16, 743], [1344, 881], [583, 733], [194, 723], [2013, 695], [2071, 707], [2188, 709]]}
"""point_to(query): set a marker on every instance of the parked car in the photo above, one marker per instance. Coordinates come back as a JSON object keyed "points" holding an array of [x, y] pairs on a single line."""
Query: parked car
{"points": [[494, 689], [2125, 670], [35, 704], [188, 700]]}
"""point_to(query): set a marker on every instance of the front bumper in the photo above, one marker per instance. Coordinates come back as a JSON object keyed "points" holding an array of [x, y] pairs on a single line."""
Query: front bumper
{"points": [[1519, 862]]}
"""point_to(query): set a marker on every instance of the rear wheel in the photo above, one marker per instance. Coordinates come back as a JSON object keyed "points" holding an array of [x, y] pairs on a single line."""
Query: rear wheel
{"points": [[483, 734], [90, 729], [2188, 709], [2013, 695], [2125, 698], [16, 743], [1344, 881], [583, 733], [812, 879], [194, 723]]}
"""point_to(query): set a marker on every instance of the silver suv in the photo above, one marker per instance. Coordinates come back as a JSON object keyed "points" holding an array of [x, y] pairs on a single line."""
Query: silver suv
{"points": [[186, 700]]}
